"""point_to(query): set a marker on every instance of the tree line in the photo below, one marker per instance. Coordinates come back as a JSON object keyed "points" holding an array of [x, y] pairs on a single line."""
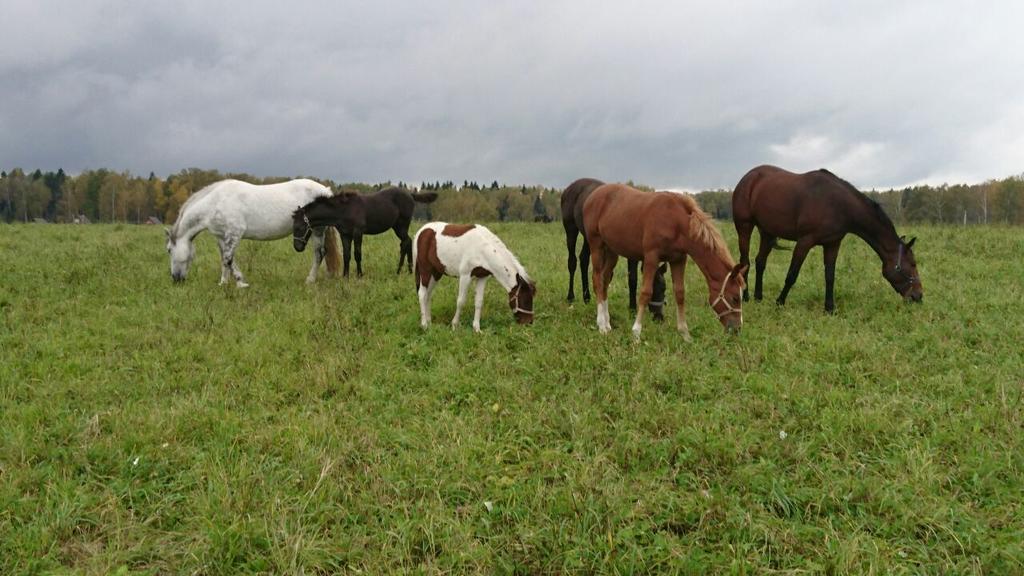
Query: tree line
{"points": [[108, 196]]}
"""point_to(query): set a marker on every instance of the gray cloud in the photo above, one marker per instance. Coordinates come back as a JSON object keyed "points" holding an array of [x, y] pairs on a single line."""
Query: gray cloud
{"points": [[670, 94]]}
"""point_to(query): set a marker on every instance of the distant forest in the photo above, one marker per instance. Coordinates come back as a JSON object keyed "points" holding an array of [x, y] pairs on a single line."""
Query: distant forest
{"points": [[107, 196]]}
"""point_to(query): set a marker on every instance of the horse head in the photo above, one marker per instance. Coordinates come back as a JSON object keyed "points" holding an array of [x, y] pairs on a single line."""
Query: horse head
{"points": [[181, 252], [301, 229], [520, 300], [727, 303], [902, 275]]}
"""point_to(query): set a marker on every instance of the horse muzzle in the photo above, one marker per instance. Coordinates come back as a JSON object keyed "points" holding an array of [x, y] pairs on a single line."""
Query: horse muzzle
{"points": [[299, 244], [914, 297], [177, 277]]}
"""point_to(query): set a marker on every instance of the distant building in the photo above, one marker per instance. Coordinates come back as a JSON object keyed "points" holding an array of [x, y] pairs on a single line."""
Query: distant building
{"points": [[40, 220], [81, 219], [153, 220]]}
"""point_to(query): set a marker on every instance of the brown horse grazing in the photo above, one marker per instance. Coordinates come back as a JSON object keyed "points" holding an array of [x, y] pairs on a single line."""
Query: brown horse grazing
{"points": [[572, 221], [817, 209], [355, 214], [656, 227]]}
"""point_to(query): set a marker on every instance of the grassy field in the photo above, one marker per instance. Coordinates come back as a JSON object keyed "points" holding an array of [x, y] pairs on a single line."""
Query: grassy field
{"points": [[154, 428]]}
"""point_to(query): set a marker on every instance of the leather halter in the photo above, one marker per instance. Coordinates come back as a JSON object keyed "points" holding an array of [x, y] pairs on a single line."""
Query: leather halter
{"points": [[729, 309], [908, 280]]}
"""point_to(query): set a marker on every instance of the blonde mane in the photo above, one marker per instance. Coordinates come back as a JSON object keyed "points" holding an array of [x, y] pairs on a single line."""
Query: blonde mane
{"points": [[703, 230]]}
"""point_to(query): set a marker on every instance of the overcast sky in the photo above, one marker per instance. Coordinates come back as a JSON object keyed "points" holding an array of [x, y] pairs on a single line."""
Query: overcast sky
{"points": [[671, 94]]}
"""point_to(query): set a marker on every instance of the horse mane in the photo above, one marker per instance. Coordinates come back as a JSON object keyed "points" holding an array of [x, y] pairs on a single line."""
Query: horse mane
{"points": [[703, 230], [199, 195], [875, 207], [515, 262], [316, 202]]}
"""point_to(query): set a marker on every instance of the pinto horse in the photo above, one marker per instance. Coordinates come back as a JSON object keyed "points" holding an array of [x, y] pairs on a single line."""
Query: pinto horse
{"points": [[817, 209], [572, 221], [473, 253], [232, 210], [355, 214], [656, 227]]}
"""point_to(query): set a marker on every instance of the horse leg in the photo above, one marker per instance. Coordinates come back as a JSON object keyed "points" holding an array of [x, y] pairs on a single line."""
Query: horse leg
{"points": [[570, 245], [346, 249], [607, 271], [657, 306], [230, 245], [631, 276], [318, 254], [831, 252], [678, 270], [597, 262], [225, 267], [803, 245], [650, 268], [359, 252], [761, 261], [743, 230], [424, 293], [478, 303], [464, 280], [404, 249], [585, 261]]}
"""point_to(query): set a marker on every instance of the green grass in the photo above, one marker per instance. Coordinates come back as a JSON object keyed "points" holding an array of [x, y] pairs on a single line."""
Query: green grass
{"points": [[154, 428]]}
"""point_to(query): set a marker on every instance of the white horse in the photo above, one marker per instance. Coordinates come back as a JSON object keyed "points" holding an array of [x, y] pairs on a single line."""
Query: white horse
{"points": [[473, 253], [232, 210]]}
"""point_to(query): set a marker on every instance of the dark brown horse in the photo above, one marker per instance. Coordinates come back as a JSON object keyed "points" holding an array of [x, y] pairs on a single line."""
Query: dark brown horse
{"points": [[660, 227], [355, 214], [572, 220], [817, 209]]}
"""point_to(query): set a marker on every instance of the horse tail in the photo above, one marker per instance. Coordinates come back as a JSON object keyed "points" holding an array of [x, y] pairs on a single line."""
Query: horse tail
{"points": [[425, 197], [331, 244]]}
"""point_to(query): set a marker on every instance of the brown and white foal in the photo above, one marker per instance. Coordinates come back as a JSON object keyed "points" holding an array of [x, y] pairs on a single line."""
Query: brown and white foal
{"points": [[472, 253]]}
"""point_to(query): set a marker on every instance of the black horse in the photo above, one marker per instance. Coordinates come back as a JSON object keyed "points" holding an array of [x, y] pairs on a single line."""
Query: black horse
{"points": [[572, 220], [355, 214]]}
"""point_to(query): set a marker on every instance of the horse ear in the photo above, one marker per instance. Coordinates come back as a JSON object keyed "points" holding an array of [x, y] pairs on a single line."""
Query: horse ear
{"points": [[911, 243], [741, 269]]}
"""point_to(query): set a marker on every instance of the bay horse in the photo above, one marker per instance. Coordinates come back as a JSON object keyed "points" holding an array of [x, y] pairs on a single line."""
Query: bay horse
{"points": [[355, 214], [657, 227], [473, 254], [232, 210], [817, 209], [572, 221]]}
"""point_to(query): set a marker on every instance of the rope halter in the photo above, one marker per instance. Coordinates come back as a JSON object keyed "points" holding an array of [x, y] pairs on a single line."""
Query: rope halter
{"points": [[309, 231], [514, 301], [729, 308]]}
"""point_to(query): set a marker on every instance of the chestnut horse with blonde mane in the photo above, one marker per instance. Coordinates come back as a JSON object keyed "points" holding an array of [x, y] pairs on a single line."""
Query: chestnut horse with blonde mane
{"points": [[653, 228]]}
